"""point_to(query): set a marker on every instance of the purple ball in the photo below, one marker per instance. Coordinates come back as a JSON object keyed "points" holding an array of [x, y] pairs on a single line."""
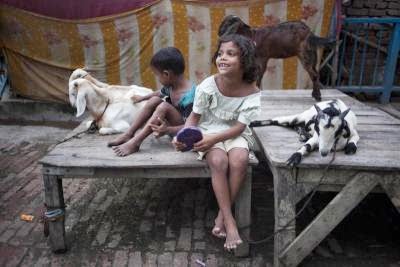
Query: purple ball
{"points": [[189, 136]]}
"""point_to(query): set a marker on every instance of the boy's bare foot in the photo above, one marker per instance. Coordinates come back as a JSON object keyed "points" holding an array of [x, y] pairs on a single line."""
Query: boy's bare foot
{"points": [[123, 138], [233, 239], [126, 149], [219, 227]]}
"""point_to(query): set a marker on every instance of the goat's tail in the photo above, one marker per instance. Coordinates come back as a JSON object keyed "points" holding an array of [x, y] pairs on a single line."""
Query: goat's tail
{"points": [[320, 41], [263, 123]]}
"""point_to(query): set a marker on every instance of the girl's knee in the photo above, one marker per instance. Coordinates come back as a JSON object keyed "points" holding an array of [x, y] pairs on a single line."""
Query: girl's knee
{"points": [[163, 107], [217, 163]]}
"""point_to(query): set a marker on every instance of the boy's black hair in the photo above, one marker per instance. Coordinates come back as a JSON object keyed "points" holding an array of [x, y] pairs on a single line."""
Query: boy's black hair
{"points": [[247, 55], [168, 58]]}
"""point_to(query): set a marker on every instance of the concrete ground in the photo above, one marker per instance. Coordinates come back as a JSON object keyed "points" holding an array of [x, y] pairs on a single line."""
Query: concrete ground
{"points": [[144, 222]]}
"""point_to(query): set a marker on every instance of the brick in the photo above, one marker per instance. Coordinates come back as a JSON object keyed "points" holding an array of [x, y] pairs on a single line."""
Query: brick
{"points": [[258, 261], [196, 257], [198, 224], [357, 12], [395, 13], [104, 206], [169, 233], [122, 195], [198, 233], [102, 234], [16, 256], [184, 241], [243, 263], [164, 260], [44, 259], [200, 245], [145, 226], [99, 196], [394, 5], [150, 211], [7, 235], [135, 259], [377, 13], [150, 260], [180, 259], [170, 245], [115, 238], [381, 5], [211, 260], [89, 212], [120, 258], [358, 3], [3, 225]]}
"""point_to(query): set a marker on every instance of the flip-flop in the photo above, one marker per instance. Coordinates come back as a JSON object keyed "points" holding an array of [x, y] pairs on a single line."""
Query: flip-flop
{"points": [[189, 136], [217, 232]]}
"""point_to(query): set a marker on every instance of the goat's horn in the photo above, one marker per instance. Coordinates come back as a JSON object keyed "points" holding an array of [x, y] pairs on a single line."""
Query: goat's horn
{"points": [[344, 113]]}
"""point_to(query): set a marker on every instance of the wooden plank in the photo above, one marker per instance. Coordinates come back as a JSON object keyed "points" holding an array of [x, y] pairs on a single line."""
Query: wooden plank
{"points": [[391, 185], [243, 215], [54, 199], [285, 210], [326, 221]]}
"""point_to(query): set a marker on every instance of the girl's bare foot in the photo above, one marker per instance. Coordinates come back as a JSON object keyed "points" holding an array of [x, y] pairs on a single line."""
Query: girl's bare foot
{"points": [[219, 227], [233, 239], [123, 138], [126, 148]]}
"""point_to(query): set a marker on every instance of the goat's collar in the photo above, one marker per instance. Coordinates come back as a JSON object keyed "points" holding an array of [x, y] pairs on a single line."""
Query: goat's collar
{"points": [[83, 76], [101, 115]]}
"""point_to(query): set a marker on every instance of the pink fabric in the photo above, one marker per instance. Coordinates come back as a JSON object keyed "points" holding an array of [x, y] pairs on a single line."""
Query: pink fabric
{"points": [[77, 9], [84, 9]]}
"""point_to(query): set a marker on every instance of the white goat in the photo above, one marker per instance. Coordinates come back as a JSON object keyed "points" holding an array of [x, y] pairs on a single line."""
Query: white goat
{"points": [[322, 125], [111, 106]]}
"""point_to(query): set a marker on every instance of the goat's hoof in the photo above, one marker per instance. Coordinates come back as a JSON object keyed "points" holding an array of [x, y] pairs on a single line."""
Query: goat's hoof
{"points": [[350, 149], [294, 159], [316, 94]]}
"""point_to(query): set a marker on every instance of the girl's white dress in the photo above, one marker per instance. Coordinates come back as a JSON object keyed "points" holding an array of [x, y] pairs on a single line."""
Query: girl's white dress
{"points": [[219, 112]]}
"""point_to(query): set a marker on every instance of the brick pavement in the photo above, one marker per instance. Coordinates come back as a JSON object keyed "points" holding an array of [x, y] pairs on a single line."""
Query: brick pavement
{"points": [[144, 222]]}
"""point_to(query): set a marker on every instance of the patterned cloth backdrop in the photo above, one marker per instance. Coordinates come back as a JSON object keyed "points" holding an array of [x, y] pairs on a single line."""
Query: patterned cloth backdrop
{"points": [[42, 51]]}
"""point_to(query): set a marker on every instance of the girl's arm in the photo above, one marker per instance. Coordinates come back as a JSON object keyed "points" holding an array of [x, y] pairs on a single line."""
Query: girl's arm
{"points": [[192, 120], [211, 139]]}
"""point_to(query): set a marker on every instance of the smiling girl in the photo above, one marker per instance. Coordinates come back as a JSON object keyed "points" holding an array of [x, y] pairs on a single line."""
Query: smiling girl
{"points": [[224, 106]]}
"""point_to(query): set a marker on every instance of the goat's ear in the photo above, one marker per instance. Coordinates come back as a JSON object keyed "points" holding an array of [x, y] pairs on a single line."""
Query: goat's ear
{"points": [[343, 114], [319, 111], [80, 102]]}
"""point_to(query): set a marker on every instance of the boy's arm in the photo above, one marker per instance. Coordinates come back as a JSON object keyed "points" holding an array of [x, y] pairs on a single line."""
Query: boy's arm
{"points": [[138, 98]]}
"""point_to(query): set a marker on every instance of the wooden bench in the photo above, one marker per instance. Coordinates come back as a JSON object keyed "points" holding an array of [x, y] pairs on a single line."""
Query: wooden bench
{"points": [[89, 157], [376, 163]]}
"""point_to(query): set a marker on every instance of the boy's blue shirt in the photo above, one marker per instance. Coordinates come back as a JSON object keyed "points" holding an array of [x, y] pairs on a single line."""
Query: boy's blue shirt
{"points": [[185, 104]]}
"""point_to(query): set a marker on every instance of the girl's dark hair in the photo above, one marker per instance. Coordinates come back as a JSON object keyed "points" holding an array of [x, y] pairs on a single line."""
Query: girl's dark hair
{"points": [[247, 55], [168, 58]]}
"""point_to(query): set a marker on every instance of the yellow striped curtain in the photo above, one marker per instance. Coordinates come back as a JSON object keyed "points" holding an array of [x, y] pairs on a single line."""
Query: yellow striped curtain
{"points": [[41, 51]]}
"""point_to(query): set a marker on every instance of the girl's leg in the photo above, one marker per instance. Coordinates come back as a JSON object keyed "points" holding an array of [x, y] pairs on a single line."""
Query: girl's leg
{"points": [[217, 160], [164, 110], [144, 115], [238, 160]]}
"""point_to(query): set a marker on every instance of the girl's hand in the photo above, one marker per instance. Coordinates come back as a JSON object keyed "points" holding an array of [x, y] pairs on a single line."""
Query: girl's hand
{"points": [[204, 144], [137, 98], [178, 145], [161, 129]]}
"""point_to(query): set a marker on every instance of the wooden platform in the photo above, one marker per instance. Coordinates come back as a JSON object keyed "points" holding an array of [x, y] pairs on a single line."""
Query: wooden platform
{"points": [[89, 156], [376, 163]]}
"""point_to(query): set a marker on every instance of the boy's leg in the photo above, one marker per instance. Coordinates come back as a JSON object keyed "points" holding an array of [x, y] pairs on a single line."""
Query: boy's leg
{"points": [[217, 160], [144, 115], [164, 110]]}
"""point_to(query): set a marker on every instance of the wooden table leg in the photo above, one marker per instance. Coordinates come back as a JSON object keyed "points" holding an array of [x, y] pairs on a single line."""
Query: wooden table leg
{"points": [[243, 215], [392, 187], [54, 199], [285, 210]]}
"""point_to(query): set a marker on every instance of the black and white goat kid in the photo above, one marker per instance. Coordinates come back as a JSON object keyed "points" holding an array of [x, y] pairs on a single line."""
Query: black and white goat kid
{"points": [[324, 125]]}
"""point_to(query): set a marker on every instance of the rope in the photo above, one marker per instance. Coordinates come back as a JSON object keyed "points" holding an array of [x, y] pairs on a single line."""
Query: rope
{"points": [[255, 242]]}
